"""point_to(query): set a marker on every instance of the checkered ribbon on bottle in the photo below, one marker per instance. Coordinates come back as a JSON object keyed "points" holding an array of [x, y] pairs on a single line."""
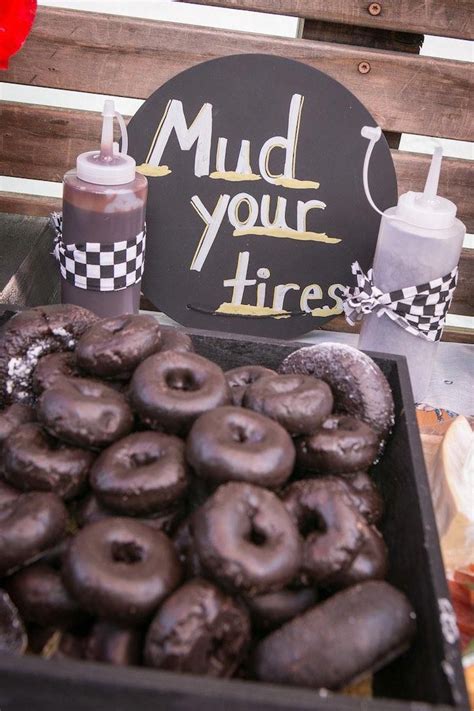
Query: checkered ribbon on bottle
{"points": [[99, 267], [421, 310]]}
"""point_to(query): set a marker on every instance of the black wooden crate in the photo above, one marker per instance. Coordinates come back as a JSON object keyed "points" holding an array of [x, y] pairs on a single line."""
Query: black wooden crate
{"points": [[429, 674]]}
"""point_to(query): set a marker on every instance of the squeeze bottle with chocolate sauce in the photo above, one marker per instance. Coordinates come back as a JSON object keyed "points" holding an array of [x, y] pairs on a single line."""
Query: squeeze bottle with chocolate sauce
{"points": [[104, 202], [420, 239]]}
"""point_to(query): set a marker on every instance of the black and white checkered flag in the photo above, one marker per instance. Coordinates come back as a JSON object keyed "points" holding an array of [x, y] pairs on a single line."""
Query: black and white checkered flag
{"points": [[99, 267], [420, 310]]}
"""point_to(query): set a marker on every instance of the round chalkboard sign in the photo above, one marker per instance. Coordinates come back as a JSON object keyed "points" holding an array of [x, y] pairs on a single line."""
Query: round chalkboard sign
{"points": [[256, 207]]}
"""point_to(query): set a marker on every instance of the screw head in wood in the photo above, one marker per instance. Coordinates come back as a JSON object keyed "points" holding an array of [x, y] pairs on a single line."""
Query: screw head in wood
{"points": [[364, 67], [375, 8]]}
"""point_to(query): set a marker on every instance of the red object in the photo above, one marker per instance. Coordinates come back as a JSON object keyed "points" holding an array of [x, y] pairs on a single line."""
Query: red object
{"points": [[465, 578], [465, 575], [461, 593], [16, 21], [465, 618]]}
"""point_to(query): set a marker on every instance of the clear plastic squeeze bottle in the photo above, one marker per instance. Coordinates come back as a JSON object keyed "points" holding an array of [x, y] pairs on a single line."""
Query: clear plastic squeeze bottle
{"points": [[104, 202], [420, 239]]}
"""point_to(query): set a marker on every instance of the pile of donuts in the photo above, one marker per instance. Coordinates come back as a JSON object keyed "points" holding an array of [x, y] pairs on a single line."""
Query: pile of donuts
{"points": [[156, 510]]}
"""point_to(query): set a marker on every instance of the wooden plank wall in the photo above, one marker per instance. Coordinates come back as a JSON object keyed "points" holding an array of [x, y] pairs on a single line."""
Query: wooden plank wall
{"points": [[448, 18], [59, 135], [107, 54], [131, 57]]}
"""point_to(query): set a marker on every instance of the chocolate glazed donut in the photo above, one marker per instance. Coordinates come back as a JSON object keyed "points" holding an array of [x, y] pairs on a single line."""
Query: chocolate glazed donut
{"points": [[113, 347], [233, 444], [333, 530], [358, 385], [35, 461], [341, 444], [41, 598], [246, 540], [31, 334], [29, 524], [120, 569], [352, 633], [85, 413], [170, 390], [299, 403], [241, 378], [143, 473], [371, 559], [198, 630]]}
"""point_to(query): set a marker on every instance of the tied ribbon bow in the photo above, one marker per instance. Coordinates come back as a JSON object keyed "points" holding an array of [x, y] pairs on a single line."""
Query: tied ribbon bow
{"points": [[421, 310]]}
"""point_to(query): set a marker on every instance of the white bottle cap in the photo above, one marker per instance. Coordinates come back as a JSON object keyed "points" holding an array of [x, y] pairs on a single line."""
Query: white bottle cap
{"points": [[437, 214], [108, 166]]}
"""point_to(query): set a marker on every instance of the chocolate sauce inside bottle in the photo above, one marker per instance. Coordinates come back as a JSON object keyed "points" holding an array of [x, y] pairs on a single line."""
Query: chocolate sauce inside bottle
{"points": [[105, 214]]}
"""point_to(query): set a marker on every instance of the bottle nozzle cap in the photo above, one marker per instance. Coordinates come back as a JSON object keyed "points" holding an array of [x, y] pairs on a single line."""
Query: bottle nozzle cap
{"points": [[428, 209], [108, 166], [109, 108], [432, 179]]}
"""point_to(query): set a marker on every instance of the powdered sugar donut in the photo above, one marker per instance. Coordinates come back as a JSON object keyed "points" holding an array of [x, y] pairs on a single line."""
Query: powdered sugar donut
{"points": [[358, 385], [31, 334]]}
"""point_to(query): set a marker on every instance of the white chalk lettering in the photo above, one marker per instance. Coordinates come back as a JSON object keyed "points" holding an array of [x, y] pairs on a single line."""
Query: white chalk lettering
{"points": [[233, 211], [213, 223], [287, 143], [240, 281], [199, 132]]}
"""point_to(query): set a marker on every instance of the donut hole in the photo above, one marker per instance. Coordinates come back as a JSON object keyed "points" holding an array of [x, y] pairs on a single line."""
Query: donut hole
{"points": [[127, 552], [142, 459], [242, 433], [182, 379], [310, 521], [256, 537], [238, 433]]}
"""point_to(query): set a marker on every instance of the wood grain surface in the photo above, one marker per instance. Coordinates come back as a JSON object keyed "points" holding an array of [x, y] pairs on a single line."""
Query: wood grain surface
{"points": [[449, 18], [42, 143], [23, 204], [85, 51]]}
